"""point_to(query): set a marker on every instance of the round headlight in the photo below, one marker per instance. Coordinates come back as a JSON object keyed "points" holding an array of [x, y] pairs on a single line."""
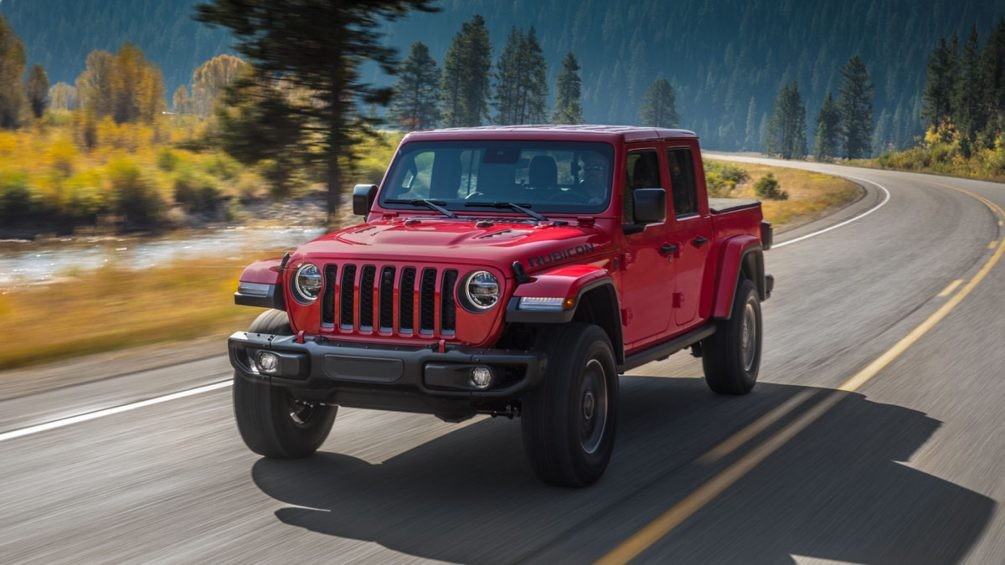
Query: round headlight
{"points": [[307, 282], [482, 290]]}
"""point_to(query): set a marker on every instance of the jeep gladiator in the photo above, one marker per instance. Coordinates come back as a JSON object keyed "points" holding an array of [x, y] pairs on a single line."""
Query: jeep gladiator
{"points": [[510, 271]]}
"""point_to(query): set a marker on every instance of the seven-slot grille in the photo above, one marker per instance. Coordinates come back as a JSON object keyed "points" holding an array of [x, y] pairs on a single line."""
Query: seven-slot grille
{"points": [[389, 300]]}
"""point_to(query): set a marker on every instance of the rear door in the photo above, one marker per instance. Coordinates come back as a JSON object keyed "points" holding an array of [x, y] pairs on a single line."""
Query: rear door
{"points": [[691, 232]]}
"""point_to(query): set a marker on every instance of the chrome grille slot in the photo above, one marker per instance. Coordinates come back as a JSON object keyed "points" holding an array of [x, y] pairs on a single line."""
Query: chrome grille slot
{"points": [[427, 302], [406, 298], [386, 303], [448, 306], [328, 297], [348, 291], [366, 298]]}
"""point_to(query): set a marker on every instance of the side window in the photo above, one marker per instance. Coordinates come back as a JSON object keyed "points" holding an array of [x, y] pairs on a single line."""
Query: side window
{"points": [[642, 170], [685, 194]]}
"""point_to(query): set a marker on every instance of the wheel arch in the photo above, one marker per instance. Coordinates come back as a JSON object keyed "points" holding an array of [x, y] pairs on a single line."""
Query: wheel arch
{"points": [[590, 297], [742, 257]]}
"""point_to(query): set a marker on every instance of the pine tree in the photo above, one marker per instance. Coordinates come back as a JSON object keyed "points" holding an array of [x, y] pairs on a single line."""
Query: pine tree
{"points": [[535, 99], [521, 87], [12, 61], [940, 83], [786, 135], [856, 109], [828, 131], [568, 93], [319, 47], [417, 92], [37, 90], [508, 75], [969, 97], [659, 106], [994, 79], [464, 87], [750, 127]]}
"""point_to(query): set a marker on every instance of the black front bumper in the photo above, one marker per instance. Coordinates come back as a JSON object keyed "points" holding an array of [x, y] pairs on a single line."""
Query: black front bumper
{"points": [[384, 377]]}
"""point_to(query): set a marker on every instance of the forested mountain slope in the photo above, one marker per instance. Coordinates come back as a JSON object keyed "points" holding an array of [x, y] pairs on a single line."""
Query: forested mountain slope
{"points": [[726, 58]]}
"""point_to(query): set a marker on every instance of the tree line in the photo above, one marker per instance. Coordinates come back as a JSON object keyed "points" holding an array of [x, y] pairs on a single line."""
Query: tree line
{"points": [[469, 87], [844, 127], [964, 93]]}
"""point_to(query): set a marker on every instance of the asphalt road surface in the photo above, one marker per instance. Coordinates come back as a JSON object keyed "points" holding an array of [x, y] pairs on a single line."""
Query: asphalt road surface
{"points": [[876, 435]]}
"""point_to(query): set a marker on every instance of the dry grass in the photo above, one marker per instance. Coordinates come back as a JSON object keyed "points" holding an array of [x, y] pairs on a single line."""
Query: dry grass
{"points": [[811, 195], [114, 308]]}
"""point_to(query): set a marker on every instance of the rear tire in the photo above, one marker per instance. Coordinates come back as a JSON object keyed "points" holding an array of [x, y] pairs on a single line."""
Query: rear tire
{"points": [[731, 356], [272, 422], [569, 422]]}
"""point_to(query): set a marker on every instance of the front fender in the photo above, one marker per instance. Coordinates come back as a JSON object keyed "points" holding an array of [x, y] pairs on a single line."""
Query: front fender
{"points": [[261, 285], [733, 252], [567, 282]]}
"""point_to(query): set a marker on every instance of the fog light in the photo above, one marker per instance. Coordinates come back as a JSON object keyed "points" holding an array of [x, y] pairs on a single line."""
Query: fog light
{"points": [[481, 377], [268, 362]]}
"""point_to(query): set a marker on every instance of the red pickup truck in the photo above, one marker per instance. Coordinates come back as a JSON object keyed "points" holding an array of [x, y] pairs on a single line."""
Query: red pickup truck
{"points": [[511, 271]]}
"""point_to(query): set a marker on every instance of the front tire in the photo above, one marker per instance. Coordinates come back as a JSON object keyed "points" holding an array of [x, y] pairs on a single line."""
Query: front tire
{"points": [[569, 422], [731, 357], [272, 422]]}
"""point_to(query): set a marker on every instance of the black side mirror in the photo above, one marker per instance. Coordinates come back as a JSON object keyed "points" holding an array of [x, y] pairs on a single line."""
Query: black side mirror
{"points": [[362, 198], [650, 205]]}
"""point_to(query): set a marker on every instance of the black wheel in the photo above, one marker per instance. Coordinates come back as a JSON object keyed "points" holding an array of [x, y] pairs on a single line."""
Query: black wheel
{"points": [[569, 421], [732, 356], [271, 420]]}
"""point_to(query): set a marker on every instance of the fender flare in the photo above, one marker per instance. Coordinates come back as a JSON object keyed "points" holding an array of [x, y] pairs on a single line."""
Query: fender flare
{"points": [[566, 282], [261, 284], [570, 282], [734, 253]]}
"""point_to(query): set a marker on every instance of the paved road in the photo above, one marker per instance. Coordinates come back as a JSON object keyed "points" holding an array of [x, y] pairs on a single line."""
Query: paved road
{"points": [[907, 465]]}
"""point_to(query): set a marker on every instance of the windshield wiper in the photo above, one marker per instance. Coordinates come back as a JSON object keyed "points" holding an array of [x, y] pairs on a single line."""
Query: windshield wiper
{"points": [[437, 205], [524, 208]]}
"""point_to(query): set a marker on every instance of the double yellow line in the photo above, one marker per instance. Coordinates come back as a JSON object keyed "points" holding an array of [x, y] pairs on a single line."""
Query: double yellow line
{"points": [[681, 511]]}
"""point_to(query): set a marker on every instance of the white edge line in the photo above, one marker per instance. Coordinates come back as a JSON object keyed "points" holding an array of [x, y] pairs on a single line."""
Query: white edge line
{"points": [[13, 434], [111, 411], [886, 198]]}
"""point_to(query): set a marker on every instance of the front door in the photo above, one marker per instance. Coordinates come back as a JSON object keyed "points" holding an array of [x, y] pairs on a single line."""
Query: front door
{"points": [[648, 269], [691, 233]]}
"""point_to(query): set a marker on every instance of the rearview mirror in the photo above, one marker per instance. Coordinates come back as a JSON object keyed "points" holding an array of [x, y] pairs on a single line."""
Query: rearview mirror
{"points": [[650, 205], [362, 198]]}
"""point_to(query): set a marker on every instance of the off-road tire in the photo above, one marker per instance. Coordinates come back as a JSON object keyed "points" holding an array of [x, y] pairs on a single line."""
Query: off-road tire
{"points": [[731, 367], [265, 413], [563, 447]]}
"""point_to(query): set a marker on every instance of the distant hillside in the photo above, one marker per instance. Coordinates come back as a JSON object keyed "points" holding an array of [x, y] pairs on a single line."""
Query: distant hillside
{"points": [[727, 58]]}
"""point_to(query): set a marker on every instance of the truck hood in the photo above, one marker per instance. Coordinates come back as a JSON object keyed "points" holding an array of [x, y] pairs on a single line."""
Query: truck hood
{"points": [[463, 241]]}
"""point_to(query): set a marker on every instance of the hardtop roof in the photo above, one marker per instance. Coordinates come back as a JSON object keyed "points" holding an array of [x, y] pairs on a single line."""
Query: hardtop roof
{"points": [[607, 133]]}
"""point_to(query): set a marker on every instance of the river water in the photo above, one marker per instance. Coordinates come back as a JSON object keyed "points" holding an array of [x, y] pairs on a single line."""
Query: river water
{"points": [[25, 263]]}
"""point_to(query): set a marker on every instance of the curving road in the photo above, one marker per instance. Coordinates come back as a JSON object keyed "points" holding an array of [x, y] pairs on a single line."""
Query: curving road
{"points": [[874, 436]]}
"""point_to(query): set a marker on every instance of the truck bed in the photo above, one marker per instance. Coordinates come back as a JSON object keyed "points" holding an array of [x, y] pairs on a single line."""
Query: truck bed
{"points": [[723, 205]]}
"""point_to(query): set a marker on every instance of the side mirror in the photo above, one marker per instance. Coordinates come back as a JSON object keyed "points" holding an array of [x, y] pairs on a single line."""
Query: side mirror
{"points": [[650, 205], [362, 198]]}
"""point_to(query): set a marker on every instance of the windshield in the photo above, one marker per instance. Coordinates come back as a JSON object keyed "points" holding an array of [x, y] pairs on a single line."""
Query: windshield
{"points": [[545, 176]]}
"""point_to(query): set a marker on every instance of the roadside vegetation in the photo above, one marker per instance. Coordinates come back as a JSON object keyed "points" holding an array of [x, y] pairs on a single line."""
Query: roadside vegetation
{"points": [[789, 197], [116, 307]]}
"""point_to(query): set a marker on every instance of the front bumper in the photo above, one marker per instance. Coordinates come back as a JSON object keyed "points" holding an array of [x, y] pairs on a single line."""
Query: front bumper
{"points": [[401, 378]]}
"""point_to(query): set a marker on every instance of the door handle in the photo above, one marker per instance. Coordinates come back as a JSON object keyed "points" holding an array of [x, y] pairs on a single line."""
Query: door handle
{"points": [[668, 249], [699, 241]]}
